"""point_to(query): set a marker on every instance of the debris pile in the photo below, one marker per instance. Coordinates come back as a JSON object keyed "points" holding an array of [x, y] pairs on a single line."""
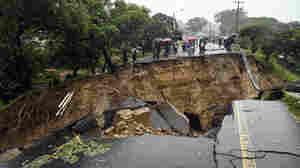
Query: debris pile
{"points": [[134, 123]]}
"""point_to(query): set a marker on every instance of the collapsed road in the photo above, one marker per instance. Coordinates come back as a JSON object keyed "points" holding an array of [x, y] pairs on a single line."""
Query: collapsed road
{"points": [[141, 115]]}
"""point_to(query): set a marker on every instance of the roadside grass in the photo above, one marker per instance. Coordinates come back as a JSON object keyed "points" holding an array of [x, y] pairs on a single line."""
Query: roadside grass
{"points": [[45, 78], [2, 105], [275, 68], [293, 104]]}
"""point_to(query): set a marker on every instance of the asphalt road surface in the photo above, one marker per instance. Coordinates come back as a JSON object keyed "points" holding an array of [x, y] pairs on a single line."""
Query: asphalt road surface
{"points": [[264, 127], [210, 49], [268, 126]]}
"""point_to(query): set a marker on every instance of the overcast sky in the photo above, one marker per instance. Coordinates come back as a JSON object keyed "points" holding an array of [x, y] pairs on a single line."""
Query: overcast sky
{"points": [[283, 10]]}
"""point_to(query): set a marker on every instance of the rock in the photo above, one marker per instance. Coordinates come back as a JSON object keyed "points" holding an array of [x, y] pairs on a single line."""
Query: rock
{"points": [[121, 124], [9, 155], [108, 130], [141, 111], [126, 117], [117, 136], [133, 102], [177, 121], [125, 112]]}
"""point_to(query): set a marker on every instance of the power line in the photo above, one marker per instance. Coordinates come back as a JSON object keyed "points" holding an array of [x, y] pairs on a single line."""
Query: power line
{"points": [[238, 2]]}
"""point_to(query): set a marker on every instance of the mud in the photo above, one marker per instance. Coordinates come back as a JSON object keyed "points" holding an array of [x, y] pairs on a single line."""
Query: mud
{"points": [[202, 89]]}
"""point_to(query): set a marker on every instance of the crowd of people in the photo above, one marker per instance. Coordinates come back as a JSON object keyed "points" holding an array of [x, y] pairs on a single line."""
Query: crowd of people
{"points": [[166, 47]]}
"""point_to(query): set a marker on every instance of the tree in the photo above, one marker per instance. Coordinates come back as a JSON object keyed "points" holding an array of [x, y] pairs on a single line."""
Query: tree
{"points": [[131, 20], [257, 34], [164, 24], [288, 43], [196, 24], [227, 20], [20, 23], [269, 22]]}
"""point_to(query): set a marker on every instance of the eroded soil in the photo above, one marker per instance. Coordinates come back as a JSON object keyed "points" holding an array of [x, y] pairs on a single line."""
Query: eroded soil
{"points": [[204, 88]]}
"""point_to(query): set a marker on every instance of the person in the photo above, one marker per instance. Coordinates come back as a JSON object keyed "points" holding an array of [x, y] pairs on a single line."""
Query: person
{"points": [[156, 49], [175, 45], [228, 43], [190, 48], [204, 44], [167, 49], [200, 46], [220, 42], [125, 56], [134, 54]]}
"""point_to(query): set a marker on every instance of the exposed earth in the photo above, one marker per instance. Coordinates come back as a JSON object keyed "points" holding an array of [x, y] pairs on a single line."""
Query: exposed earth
{"points": [[200, 91]]}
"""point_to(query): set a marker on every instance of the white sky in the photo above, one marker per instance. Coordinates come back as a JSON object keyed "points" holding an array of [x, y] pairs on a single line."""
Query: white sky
{"points": [[283, 10]]}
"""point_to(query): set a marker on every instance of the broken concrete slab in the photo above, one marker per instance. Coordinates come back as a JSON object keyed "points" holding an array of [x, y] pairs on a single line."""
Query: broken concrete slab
{"points": [[9, 155], [177, 121]]}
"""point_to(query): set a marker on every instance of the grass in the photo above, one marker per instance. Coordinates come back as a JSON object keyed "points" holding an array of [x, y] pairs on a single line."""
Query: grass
{"points": [[45, 78], [275, 68], [2, 105], [293, 104]]}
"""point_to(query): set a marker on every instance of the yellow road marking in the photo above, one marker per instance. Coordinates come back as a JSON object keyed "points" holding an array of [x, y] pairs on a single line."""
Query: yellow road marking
{"points": [[245, 140]]}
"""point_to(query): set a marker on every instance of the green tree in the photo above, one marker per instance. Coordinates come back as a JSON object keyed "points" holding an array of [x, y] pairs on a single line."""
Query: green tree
{"points": [[258, 36], [131, 21], [227, 20], [196, 24]]}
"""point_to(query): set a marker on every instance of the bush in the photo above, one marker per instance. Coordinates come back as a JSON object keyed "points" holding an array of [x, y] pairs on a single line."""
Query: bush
{"points": [[293, 104], [272, 66]]}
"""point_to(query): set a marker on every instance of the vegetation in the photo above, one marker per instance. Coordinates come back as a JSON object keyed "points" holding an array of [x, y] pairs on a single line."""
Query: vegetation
{"points": [[273, 67], [276, 45], [73, 34], [293, 105], [196, 24], [69, 152], [227, 20]]}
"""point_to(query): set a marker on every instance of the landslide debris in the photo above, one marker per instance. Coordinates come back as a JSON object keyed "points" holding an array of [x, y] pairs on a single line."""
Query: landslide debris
{"points": [[193, 86]]}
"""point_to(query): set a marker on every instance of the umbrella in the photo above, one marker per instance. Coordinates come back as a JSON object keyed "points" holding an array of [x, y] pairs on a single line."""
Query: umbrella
{"points": [[166, 40], [192, 38]]}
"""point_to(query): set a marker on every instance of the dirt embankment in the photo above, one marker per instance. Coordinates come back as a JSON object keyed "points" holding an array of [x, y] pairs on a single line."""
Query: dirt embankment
{"points": [[203, 88]]}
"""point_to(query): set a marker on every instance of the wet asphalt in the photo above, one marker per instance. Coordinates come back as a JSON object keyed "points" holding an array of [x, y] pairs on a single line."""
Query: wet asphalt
{"points": [[272, 128], [269, 126], [210, 50]]}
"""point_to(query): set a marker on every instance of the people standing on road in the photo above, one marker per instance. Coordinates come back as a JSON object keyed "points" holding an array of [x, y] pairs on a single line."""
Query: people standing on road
{"points": [[193, 46], [220, 42], [202, 45], [228, 43], [167, 49], [125, 56], [175, 46], [134, 54], [189, 48], [156, 49]]}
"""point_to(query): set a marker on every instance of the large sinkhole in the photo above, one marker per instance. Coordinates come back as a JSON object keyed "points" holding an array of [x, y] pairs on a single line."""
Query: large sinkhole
{"points": [[194, 121], [160, 119], [188, 97], [184, 97]]}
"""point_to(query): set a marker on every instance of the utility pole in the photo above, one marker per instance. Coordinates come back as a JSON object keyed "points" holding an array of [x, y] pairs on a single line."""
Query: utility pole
{"points": [[238, 2], [175, 20]]}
